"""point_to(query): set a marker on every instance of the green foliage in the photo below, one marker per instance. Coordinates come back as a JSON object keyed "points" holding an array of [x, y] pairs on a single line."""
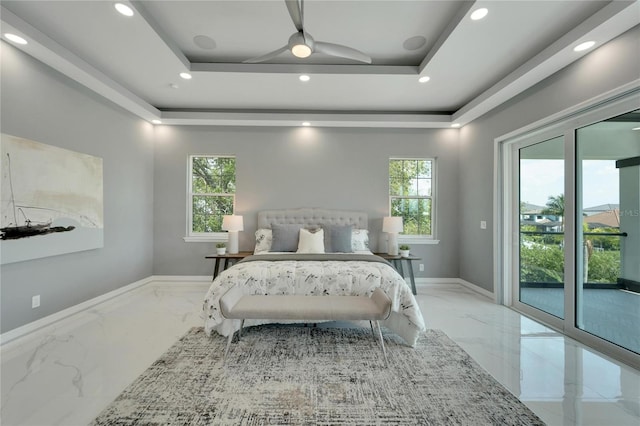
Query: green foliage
{"points": [[409, 182], [545, 264], [403, 247], [604, 242], [220, 245], [555, 205], [213, 184], [214, 175], [415, 213], [604, 267], [541, 263]]}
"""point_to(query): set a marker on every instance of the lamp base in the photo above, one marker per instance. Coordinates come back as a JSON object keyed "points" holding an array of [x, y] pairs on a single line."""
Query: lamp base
{"points": [[232, 245], [392, 244]]}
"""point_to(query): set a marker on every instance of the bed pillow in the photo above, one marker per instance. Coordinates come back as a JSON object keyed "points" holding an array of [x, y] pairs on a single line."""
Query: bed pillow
{"points": [[311, 241], [263, 241], [285, 237], [337, 238], [359, 239]]}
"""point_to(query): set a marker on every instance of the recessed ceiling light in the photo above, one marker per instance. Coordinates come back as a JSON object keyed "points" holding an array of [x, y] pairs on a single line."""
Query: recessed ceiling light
{"points": [[304, 77], [156, 121], [455, 125], [479, 13], [636, 128], [15, 38], [306, 124], [124, 9], [584, 46], [185, 75], [424, 79]]}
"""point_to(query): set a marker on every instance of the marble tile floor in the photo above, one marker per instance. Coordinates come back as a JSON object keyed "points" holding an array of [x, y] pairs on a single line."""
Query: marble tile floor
{"points": [[67, 373]]}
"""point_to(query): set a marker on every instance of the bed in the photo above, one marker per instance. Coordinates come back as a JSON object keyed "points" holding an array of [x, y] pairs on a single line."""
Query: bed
{"points": [[314, 252]]}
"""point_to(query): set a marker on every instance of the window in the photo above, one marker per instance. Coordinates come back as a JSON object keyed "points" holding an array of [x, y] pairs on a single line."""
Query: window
{"points": [[411, 183], [212, 187]]}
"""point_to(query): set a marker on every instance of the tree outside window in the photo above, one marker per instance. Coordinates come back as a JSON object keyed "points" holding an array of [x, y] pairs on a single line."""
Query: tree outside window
{"points": [[212, 192], [411, 194]]}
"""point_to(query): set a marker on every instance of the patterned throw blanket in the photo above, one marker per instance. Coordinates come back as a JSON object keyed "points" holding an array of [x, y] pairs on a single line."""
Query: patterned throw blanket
{"points": [[316, 275]]}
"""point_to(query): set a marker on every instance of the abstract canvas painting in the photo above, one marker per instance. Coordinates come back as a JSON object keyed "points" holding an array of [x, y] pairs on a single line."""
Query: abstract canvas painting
{"points": [[51, 201]]}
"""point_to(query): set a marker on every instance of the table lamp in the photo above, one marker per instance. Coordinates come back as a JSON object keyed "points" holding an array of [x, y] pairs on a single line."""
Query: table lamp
{"points": [[233, 224], [392, 225]]}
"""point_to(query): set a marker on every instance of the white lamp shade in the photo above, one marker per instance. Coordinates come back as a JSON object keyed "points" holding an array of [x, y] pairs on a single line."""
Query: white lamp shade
{"points": [[232, 223], [392, 224]]}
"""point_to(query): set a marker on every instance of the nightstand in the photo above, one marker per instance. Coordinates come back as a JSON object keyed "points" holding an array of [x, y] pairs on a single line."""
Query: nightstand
{"points": [[223, 261], [396, 261]]}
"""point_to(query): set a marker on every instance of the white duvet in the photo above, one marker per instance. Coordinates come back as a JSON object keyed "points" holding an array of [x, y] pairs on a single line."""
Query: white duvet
{"points": [[315, 278]]}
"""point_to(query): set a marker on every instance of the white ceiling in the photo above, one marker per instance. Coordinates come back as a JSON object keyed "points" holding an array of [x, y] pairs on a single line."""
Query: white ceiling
{"points": [[474, 66]]}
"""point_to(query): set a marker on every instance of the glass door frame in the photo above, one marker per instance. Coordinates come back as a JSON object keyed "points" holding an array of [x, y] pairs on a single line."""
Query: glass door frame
{"points": [[507, 213], [514, 214]]}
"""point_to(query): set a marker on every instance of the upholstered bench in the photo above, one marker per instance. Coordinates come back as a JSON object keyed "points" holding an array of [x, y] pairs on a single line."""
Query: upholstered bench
{"points": [[236, 305]]}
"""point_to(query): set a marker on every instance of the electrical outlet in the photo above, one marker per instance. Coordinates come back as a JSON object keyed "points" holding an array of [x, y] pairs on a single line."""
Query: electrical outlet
{"points": [[483, 224], [35, 301], [421, 266]]}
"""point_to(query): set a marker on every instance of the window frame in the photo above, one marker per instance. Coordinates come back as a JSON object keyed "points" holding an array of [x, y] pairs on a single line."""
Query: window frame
{"points": [[417, 238], [192, 236]]}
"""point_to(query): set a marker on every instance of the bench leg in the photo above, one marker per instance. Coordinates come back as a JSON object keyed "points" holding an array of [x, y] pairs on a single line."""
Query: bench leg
{"points": [[384, 351], [230, 339], [226, 351], [373, 334], [240, 331]]}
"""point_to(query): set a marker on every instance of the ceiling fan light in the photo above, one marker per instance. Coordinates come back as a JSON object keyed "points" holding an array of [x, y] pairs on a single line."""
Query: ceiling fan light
{"points": [[301, 51]]}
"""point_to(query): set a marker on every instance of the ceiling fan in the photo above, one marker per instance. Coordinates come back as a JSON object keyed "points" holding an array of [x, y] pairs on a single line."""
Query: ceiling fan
{"points": [[302, 45]]}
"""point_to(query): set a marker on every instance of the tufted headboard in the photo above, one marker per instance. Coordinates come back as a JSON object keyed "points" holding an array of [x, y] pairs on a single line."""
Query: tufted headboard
{"points": [[311, 217]]}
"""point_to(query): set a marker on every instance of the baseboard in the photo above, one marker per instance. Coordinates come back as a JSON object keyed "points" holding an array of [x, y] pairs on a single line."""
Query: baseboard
{"points": [[179, 278], [60, 315], [448, 282], [477, 289], [436, 282]]}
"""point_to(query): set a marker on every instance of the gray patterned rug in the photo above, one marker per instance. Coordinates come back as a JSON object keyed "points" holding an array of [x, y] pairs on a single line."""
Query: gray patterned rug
{"points": [[286, 375]]}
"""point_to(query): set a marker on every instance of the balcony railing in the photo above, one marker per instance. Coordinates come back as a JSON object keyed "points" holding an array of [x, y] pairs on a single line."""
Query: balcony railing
{"points": [[542, 259]]}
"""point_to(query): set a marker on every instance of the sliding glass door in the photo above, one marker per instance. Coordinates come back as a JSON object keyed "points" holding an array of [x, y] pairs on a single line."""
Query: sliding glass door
{"points": [[569, 252], [608, 221], [541, 226]]}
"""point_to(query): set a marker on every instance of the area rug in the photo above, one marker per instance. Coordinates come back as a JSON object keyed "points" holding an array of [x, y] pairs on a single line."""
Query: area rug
{"points": [[283, 375]]}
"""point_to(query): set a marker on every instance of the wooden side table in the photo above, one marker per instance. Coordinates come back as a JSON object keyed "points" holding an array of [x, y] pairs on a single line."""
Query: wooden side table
{"points": [[396, 261], [223, 261]]}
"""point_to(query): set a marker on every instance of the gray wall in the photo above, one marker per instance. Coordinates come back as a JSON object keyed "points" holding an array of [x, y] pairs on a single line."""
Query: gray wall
{"points": [[145, 196], [606, 68], [40, 104], [300, 167]]}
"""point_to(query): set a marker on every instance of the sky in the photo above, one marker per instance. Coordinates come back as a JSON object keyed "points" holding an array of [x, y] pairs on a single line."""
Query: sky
{"points": [[541, 179]]}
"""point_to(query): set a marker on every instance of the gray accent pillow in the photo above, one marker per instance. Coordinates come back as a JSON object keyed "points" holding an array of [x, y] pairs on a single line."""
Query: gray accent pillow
{"points": [[285, 237], [337, 238]]}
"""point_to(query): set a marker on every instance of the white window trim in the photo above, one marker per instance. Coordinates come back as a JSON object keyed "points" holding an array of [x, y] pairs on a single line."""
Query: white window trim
{"points": [[420, 239], [201, 237], [416, 239], [213, 237]]}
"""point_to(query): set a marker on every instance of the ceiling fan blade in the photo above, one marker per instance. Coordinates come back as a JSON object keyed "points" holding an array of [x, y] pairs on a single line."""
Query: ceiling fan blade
{"points": [[341, 51], [266, 57], [295, 10]]}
